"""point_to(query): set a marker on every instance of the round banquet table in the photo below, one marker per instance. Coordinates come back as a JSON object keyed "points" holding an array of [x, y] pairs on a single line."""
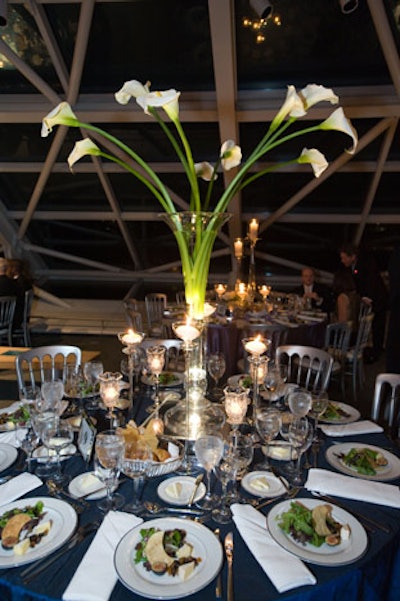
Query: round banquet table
{"points": [[374, 577]]}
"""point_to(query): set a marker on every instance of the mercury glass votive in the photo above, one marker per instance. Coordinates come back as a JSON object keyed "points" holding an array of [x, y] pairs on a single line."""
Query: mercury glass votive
{"points": [[130, 340], [109, 391], [235, 402]]}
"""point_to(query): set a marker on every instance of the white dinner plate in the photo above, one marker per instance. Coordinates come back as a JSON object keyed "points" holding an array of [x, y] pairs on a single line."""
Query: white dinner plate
{"points": [[386, 472], [42, 454], [81, 485], [346, 552], [147, 584], [177, 381], [275, 486], [353, 415], [187, 488], [8, 455], [64, 521]]}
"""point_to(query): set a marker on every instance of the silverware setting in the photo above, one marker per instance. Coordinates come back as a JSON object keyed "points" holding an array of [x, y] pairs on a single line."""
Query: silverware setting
{"points": [[287, 495], [218, 584], [57, 492], [195, 488], [155, 508], [35, 569], [228, 544]]}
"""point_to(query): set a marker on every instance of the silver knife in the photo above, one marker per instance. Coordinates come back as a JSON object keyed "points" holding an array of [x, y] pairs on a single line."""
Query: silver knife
{"points": [[195, 489], [228, 544], [218, 584]]}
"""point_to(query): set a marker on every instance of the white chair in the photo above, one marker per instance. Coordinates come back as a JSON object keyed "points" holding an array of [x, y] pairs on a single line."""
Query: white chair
{"points": [[308, 366], [386, 399], [155, 304], [355, 355], [337, 340], [23, 331], [174, 355], [32, 365], [7, 310]]}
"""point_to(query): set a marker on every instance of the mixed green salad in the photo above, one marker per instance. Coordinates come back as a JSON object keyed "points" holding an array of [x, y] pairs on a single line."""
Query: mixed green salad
{"points": [[20, 416], [313, 526], [334, 411], [363, 460]]}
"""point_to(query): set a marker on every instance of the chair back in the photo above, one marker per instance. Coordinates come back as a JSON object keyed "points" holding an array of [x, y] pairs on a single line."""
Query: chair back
{"points": [[365, 309], [364, 330], [308, 366], [275, 333], [174, 354], [23, 331], [337, 339], [155, 304], [387, 391], [7, 310], [32, 365]]}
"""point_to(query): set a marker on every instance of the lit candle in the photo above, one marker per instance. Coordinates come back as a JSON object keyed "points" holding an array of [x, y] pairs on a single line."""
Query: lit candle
{"points": [[264, 291], [236, 407], [220, 289], [187, 332], [110, 394], [255, 346], [132, 337], [238, 245], [253, 230], [242, 289]]}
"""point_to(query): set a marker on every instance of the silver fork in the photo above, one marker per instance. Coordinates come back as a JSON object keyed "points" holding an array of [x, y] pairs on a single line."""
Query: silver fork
{"points": [[288, 495]]}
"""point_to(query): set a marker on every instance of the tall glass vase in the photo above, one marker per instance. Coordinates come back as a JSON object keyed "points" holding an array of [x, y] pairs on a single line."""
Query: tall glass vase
{"points": [[195, 233]]}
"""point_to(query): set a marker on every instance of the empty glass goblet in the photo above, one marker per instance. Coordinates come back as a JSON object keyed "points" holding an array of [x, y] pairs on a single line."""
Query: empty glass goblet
{"points": [[300, 402], [300, 435], [208, 450], [52, 392], [91, 373], [136, 462], [216, 366], [268, 423], [319, 403], [225, 471], [57, 435], [108, 457]]}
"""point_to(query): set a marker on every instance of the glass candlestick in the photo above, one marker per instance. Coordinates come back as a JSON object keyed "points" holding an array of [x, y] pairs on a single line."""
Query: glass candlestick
{"points": [[130, 340], [156, 361], [109, 391], [236, 402], [255, 347]]}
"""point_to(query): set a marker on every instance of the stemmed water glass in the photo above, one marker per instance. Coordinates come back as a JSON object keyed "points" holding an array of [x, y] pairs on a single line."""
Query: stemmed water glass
{"points": [[57, 435], [268, 423], [91, 373], [273, 381], [241, 448], [136, 462], [300, 402], [300, 436], [225, 471], [319, 403], [155, 362], [216, 366], [52, 392], [208, 450], [109, 452]]}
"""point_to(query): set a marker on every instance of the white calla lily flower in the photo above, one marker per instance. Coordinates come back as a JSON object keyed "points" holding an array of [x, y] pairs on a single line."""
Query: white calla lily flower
{"points": [[339, 122], [81, 149], [131, 89], [168, 100], [205, 171], [62, 114], [315, 158], [313, 93], [293, 106], [231, 155]]}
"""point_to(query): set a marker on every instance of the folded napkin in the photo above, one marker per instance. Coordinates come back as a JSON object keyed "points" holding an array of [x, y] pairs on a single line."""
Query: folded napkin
{"points": [[362, 427], [95, 576], [330, 483], [14, 437], [17, 487], [283, 569]]}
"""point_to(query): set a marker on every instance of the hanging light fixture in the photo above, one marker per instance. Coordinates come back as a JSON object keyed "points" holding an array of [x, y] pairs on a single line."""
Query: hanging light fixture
{"points": [[348, 6]]}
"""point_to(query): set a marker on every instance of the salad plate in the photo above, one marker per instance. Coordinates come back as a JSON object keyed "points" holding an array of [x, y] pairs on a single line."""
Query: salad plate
{"points": [[262, 484], [177, 490], [339, 413], [136, 578], [42, 454], [64, 521], [390, 471], [8, 455], [167, 378], [347, 551]]}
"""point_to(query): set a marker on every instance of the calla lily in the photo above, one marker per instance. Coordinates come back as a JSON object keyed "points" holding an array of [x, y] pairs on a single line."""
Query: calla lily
{"points": [[131, 89], [205, 171], [312, 94], [339, 122], [292, 106], [231, 155], [81, 149], [315, 158], [61, 115], [167, 100]]}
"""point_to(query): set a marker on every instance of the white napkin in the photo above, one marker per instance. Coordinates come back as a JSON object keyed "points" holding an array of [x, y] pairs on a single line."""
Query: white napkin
{"points": [[330, 483], [95, 576], [14, 437], [17, 487], [361, 427], [283, 569]]}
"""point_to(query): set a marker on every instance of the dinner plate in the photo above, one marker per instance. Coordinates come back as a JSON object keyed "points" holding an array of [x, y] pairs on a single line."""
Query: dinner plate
{"points": [[84, 483], [386, 472], [42, 453], [187, 483], [177, 381], [64, 521], [11, 409], [275, 486], [353, 415], [346, 552], [8, 455], [147, 584]]}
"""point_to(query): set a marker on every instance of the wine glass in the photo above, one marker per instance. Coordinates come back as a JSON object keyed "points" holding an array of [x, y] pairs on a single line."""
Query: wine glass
{"points": [[268, 423], [91, 373], [300, 435], [216, 366], [273, 381], [52, 392], [108, 456], [155, 362], [319, 403], [57, 435], [208, 450], [300, 402], [136, 462], [241, 447], [225, 471]]}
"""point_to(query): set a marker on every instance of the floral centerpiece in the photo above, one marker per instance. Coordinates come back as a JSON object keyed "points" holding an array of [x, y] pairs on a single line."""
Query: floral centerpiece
{"points": [[196, 230]]}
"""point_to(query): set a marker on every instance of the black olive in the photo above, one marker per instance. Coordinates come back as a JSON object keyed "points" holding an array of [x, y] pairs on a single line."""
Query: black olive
{"points": [[159, 567]]}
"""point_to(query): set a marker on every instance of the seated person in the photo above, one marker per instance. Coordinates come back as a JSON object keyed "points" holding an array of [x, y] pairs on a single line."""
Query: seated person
{"points": [[313, 293]]}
